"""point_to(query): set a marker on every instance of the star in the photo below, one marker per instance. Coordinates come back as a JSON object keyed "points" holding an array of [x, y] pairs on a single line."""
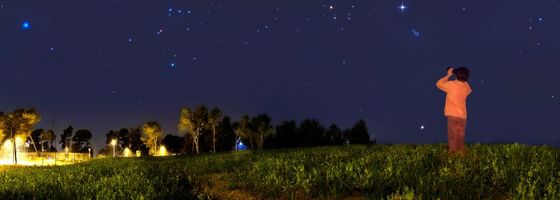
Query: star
{"points": [[422, 127], [25, 25], [402, 7], [415, 33], [172, 65]]}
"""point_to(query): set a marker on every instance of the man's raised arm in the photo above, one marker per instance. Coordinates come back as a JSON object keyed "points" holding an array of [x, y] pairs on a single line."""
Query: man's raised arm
{"points": [[442, 82]]}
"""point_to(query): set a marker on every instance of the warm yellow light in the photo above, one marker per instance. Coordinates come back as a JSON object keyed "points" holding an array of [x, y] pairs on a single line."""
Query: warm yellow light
{"points": [[127, 152], [113, 142], [66, 149], [138, 153], [8, 144], [19, 140], [162, 151]]}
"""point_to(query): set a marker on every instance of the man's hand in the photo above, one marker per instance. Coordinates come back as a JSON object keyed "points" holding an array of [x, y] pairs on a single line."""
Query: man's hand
{"points": [[450, 71]]}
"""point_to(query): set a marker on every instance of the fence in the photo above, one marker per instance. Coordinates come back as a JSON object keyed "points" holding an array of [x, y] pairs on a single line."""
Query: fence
{"points": [[44, 158]]}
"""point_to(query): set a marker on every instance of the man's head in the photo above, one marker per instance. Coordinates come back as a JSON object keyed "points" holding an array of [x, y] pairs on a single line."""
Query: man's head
{"points": [[462, 73]]}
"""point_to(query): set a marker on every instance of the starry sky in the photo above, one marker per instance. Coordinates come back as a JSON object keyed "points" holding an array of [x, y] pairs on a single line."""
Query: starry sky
{"points": [[103, 64]]}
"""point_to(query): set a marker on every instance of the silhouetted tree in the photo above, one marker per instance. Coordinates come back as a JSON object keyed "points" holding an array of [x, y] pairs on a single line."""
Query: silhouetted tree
{"points": [[334, 135], [35, 140], [135, 139], [47, 139], [312, 132], [287, 135], [65, 138], [358, 134], [214, 118], [172, 143], [110, 136], [123, 138], [226, 135], [80, 141]]}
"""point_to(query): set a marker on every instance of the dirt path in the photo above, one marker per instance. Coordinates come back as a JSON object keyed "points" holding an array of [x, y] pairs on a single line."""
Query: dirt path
{"points": [[218, 188]]}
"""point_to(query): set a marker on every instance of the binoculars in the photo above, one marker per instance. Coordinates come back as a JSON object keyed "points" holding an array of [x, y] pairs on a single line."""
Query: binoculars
{"points": [[447, 69]]}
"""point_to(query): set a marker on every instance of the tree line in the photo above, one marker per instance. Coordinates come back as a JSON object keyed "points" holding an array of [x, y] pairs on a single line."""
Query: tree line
{"points": [[200, 130]]}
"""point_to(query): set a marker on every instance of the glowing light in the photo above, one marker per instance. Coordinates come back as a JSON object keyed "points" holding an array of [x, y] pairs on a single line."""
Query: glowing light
{"points": [[402, 7], [422, 127], [163, 151], [127, 152], [34, 159], [8, 144], [19, 140], [25, 25], [114, 143]]}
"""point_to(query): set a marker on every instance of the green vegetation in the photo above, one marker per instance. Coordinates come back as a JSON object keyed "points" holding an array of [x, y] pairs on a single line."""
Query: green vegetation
{"points": [[372, 171]]}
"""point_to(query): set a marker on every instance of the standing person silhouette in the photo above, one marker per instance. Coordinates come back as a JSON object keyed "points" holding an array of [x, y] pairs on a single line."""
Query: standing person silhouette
{"points": [[456, 107]]}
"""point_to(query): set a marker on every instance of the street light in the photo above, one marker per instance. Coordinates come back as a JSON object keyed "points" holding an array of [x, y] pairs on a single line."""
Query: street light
{"points": [[162, 151], [113, 142], [89, 150]]}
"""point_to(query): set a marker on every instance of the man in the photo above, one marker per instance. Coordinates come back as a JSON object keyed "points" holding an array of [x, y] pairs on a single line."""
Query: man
{"points": [[456, 107]]}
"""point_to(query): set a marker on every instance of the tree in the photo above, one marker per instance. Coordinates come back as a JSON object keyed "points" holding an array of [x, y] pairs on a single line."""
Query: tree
{"points": [[152, 134], [35, 139], [312, 132], [226, 135], [358, 134], [123, 140], [213, 121], [256, 130], [109, 137], [173, 143], [334, 135], [244, 129], [65, 138], [287, 135], [103, 152], [193, 123], [80, 141], [47, 139], [263, 130], [135, 139], [20, 122]]}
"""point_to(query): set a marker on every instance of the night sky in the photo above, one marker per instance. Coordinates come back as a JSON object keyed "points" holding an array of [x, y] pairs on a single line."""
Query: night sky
{"points": [[102, 65]]}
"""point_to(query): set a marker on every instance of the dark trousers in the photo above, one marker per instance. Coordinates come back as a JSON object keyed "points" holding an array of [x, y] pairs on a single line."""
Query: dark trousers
{"points": [[456, 134]]}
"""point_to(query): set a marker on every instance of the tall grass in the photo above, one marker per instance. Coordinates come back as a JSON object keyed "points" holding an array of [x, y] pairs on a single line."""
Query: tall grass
{"points": [[376, 171]]}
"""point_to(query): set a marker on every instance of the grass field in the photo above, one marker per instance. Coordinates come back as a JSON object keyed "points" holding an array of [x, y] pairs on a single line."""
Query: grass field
{"points": [[507, 171]]}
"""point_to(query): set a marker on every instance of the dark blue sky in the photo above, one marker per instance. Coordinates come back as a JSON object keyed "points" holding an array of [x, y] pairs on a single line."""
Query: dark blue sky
{"points": [[103, 65]]}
